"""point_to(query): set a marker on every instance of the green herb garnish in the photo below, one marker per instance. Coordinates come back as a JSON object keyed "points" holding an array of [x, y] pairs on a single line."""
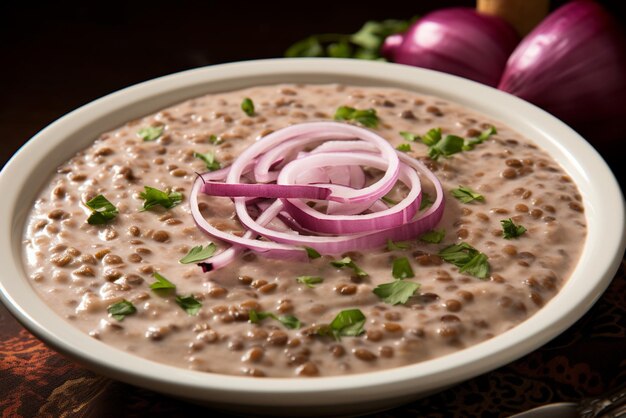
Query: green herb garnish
{"points": [[409, 136], [151, 133], [404, 147], [162, 283], [397, 246], [247, 105], [198, 254], [121, 309], [312, 253], [434, 236], [401, 268], [155, 197], [289, 321], [511, 230], [190, 304], [365, 117], [449, 145], [426, 201], [309, 281], [467, 195], [364, 44], [215, 140], [347, 262], [467, 258], [347, 323], [482, 137], [209, 160], [388, 200], [396, 292], [103, 210]]}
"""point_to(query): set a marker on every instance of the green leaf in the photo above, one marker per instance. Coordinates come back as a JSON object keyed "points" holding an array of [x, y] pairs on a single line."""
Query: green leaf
{"points": [[511, 230], [401, 268], [404, 147], [190, 304], [482, 137], [155, 197], [347, 262], [431, 137], [458, 254], [198, 254], [388, 200], [426, 201], [289, 321], [215, 140], [308, 47], [339, 50], [162, 283], [434, 236], [365, 117], [103, 210], [397, 246], [478, 266], [309, 281], [467, 258], [209, 160], [150, 133], [409, 136], [467, 195], [312, 253], [247, 105], [348, 323], [372, 35], [450, 144], [396, 292], [121, 309]]}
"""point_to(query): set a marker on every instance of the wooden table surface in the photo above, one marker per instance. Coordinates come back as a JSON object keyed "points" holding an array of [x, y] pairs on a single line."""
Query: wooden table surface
{"points": [[58, 56]]}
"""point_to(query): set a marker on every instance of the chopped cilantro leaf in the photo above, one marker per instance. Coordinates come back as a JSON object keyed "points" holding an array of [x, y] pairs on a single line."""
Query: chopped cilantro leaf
{"points": [[289, 321], [198, 254], [155, 197], [404, 147], [309, 281], [467, 195], [103, 210], [209, 160], [401, 268], [467, 258], [215, 140], [409, 136], [365, 117], [162, 283], [434, 236], [511, 230], [347, 262], [396, 246], [426, 201], [396, 292], [312, 253], [121, 309], [151, 133], [247, 105], [190, 304], [347, 323], [450, 144]]}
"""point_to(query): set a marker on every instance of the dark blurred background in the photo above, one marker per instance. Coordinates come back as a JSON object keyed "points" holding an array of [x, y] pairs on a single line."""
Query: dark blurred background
{"points": [[59, 55]]}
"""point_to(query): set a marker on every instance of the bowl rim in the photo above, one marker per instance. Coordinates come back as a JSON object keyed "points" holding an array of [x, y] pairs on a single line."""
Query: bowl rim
{"points": [[602, 199]]}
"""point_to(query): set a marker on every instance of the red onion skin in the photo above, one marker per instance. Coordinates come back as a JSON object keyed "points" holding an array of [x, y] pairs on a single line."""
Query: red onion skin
{"points": [[458, 41], [573, 65]]}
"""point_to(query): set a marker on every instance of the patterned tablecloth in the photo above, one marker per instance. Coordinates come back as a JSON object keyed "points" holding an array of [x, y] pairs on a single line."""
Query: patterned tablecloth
{"points": [[586, 360]]}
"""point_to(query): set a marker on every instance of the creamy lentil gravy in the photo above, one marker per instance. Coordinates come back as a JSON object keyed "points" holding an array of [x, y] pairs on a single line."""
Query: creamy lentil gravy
{"points": [[81, 269]]}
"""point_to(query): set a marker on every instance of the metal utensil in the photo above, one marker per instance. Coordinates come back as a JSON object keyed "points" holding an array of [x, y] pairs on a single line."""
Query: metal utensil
{"points": [[609, 405]]}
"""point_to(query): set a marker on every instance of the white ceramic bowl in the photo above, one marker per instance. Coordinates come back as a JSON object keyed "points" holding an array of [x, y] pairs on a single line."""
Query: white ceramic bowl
{"points": [[29, 169]]}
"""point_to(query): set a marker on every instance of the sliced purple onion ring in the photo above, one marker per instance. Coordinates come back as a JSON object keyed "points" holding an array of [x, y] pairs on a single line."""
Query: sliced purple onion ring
{"points": [[280, 185]]}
